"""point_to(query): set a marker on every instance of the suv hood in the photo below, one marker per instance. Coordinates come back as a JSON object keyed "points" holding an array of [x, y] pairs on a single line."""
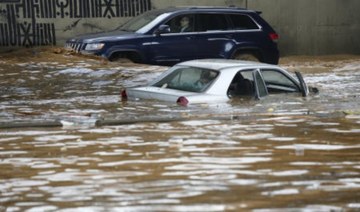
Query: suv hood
{"points": [[104, 36]]}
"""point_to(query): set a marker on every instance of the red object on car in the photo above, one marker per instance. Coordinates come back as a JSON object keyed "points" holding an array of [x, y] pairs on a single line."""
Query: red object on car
{"points": [[182, 101]]}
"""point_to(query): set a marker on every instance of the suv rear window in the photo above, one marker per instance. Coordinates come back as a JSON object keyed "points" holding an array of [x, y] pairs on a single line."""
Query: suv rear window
{"points": [[240, 22]]}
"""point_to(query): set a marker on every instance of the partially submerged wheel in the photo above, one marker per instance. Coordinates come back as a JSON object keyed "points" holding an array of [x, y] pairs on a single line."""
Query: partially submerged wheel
{"points": [[123, 60], [246, 56], [125, 57]]}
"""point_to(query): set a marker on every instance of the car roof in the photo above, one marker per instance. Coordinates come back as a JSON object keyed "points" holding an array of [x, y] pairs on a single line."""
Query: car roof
{"points": [[207, 8], [223, 64]]}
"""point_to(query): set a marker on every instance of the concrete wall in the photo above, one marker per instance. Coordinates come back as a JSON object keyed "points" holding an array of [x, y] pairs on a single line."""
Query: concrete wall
{"points": [[312, 27]]}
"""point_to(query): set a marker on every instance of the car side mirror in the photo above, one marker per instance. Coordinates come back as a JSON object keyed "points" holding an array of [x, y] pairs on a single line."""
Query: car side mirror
{"points": [[162, 30]]}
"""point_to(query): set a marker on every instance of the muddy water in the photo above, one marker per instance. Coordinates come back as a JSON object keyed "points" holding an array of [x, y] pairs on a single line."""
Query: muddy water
{"points": [[282, 153]]}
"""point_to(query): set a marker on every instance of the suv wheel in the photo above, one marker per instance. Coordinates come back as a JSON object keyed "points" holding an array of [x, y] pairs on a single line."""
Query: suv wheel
{"points": [[125, 57], [246, 56]]}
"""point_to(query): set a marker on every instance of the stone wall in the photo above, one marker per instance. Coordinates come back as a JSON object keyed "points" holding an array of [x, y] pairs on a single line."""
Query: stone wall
{"points": [[312, 27]]}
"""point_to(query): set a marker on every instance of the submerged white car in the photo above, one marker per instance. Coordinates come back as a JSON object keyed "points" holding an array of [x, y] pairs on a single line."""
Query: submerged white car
{"points": [[217, 80]]}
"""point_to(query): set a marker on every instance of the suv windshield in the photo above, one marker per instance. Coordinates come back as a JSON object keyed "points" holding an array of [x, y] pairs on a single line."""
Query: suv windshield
{"points": [[143, 22]]}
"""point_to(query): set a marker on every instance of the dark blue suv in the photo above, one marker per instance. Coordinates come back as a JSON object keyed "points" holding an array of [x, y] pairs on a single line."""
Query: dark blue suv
{"points": [[168, 36]]}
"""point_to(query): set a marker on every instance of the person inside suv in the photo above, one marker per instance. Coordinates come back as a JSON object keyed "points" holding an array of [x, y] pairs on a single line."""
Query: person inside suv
{"points": [[181, 24], [185, 24]]}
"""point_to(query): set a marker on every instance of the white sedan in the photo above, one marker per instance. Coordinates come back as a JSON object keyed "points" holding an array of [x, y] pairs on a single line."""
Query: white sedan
{"points": [[217, 80]]}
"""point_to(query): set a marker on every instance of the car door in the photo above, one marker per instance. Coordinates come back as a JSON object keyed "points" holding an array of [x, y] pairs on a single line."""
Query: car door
{"points": [[213, 39], [259, 84], [174, 46], [279, 81], [303, 86], [248, 83]]}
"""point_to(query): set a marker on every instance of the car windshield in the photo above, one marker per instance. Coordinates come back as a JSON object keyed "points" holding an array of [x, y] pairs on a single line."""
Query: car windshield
{"points": [[143, 22], [187, 79]]}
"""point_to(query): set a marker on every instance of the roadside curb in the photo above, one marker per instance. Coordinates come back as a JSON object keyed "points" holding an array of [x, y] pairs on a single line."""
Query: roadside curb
{"points": [[125, 121]]}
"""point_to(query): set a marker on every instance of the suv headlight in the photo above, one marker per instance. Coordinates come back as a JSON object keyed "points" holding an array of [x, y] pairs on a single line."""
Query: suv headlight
{"points": [[94, 46]]}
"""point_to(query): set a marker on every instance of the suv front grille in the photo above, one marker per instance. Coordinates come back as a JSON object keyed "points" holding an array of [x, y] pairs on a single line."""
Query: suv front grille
{"points": [[77, 47]]}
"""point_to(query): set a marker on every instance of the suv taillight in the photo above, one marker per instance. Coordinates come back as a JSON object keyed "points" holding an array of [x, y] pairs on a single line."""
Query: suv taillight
{"points": [[182, 101], [123, 95], [274, 37]]}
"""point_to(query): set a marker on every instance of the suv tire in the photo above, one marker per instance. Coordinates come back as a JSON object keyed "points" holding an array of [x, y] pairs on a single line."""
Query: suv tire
{"points": [[126, 57], [246, 56]]}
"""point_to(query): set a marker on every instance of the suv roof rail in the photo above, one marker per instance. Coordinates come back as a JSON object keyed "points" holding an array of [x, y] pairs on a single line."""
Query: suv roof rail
{"points": [[211, 7], [236, 7], [243, 8], [219, 7]]}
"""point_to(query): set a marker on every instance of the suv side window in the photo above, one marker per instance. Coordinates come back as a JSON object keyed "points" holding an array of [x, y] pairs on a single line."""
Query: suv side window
{"points": [[241, 22], [210, 22], [176, 24]]}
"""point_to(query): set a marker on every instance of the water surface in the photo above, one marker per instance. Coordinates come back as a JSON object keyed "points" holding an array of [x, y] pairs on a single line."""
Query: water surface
{"points": [[283, 153]]}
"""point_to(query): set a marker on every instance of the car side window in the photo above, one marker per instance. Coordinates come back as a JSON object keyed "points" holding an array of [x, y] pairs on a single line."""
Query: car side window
{"points": [[188, 79], [182, 23], [211, 22], [278, 82], [242, 84], [242, 22]]}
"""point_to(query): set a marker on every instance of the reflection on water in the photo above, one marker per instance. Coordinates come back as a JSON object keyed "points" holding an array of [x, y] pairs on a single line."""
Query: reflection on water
{"points": [[298, 162], [281, 153]]}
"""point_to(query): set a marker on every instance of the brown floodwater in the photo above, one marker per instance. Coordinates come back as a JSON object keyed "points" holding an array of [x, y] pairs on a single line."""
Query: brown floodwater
{"points": [[282, 153]]}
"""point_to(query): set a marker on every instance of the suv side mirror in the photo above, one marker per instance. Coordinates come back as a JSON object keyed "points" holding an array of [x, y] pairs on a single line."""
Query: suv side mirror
{"points": [[162, 29]]}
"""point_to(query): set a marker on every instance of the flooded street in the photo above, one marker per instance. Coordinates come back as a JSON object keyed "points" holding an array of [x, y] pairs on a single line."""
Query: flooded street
{"points": [[282, 153]]}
